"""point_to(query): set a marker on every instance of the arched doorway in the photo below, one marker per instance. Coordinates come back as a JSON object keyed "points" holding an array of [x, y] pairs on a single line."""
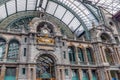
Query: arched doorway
{"points": [[45, 68]]}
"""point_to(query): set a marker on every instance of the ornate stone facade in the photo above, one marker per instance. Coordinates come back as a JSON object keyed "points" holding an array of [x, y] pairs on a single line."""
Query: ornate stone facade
{"points": [[45, 53]]}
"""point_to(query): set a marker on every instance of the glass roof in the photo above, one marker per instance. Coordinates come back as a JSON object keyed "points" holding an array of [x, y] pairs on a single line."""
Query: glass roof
{"points": [[111, 6], [77, 15]]}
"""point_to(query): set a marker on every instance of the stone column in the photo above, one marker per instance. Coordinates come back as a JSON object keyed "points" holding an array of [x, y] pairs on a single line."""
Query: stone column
{"points": [[29, 73], [109, 74], [106, 75], [63, 74], [90, 74], [6, 52], [3, 70], [80, 73], [17, 73], [34, 73], [104, 55], [98, 75], [85, 54], [101, 54], [58, 74], [76, 53]]}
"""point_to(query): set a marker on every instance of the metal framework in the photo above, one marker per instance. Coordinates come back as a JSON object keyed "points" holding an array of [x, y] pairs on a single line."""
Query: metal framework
{"points": [[78, 15], [75, 17]]}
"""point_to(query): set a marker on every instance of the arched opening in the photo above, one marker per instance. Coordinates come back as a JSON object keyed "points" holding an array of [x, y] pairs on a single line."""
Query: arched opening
{"points": [[105, 37], [109, 56], [90, 55], [81, 58], [13, 50], [45, 68], [71, 52], [2, 48]]}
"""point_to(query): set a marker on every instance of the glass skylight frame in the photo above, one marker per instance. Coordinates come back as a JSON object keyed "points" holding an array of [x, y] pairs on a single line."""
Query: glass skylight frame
{"points": [[76, 7]]}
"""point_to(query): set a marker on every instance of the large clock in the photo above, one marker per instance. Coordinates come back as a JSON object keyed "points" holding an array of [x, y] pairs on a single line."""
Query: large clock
{"points": [[45, 31]]}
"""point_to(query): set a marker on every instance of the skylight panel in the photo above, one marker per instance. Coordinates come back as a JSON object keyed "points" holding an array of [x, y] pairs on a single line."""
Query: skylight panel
{"points": [[60, 12], [31, 4], [2, 12], [79, 30], [67, 17], [74, 24], [44, 3], [11, 7], [51, 7], [21, 5]]}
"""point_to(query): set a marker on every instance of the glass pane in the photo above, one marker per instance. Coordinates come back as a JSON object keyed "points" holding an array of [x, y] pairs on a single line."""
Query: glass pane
{"points": [[51, 7], [89, 55], [31, 4], [44, 3], [67, 17], [21, 5], [2, 48], [71, 53], [11, 7], [74, 24], [13, 50], [60, 12], [2, 12], [80, 55]]}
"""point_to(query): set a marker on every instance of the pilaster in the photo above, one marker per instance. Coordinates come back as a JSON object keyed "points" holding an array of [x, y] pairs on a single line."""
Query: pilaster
{"points": [[6, 52], [106, 75], [101, 54], [76, 51], [85, 54], [28, 73], [17, 73], [90, 74], [3, 70], [80, 73]]}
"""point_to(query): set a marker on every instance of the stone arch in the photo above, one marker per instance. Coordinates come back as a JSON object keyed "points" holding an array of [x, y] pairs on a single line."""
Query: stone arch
{"points": [[13, 50], [36, 21], [111, 38], [14, 39], [1, 37], [46, 53], [45, 66]]}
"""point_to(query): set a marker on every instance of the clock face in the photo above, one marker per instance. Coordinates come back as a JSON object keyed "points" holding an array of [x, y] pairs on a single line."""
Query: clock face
{"points": [[45, 31]]}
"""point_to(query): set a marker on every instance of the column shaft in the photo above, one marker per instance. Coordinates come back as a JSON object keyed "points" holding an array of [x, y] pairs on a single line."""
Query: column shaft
{"points": [[80, 73], [6, 52], [3, 71], [76, 51], [90, 74], [101, 54]]}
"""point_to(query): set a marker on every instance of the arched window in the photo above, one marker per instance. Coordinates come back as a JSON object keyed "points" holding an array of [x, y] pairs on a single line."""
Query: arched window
{"points": [[105, 37], [71, 52], [2, 48], [80, 55], [89, 54], [13, 50], [109, 56]]}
